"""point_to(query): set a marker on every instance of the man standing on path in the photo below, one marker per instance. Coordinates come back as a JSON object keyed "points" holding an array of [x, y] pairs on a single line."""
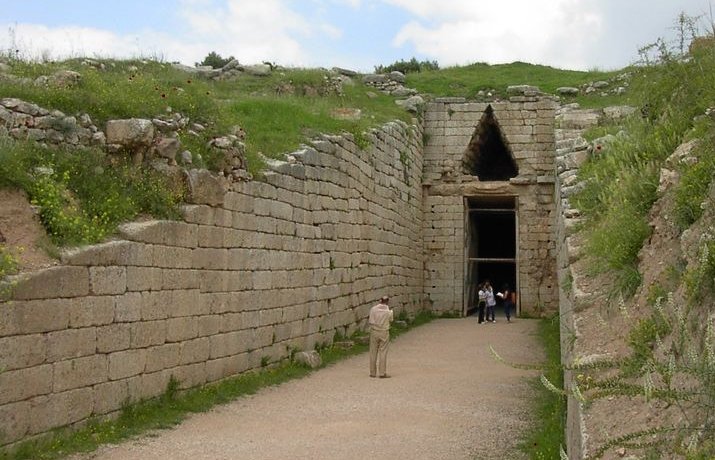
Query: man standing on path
{"points": [[380, 318]]}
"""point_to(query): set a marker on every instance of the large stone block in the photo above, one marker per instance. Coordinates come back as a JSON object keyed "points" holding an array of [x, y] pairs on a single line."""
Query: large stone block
{"points": [[173, 279], [155, 305], [187, 303], [15, 421], [209, 325], [161, 232], [195, 351], [190, 375], [119, 253], [148, 333], [57, 410], [232, 343], [205, 187], [162, 357], [113, 337], [210, 259], [172, 257], [128, 307], [130, 133], [54, 282], [180, 329], [91, 311], [26, 383], [71, 343], [128, 363], [80, 372], [22, 351], [109, 397], [108, 280], [33, 316], [144, 279]]}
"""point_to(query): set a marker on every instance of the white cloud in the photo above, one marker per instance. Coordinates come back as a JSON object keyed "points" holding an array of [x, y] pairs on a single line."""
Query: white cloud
{"points": [[251, 31], [38, 41], [556, 32]]}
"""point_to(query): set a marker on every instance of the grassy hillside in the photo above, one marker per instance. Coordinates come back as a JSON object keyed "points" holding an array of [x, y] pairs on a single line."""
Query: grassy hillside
{"points": [[277, 112], [467, 81], [672, 333]]}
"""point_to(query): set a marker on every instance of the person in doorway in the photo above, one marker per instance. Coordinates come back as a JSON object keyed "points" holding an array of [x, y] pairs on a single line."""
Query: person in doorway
{"points": [[507, 295], [491, 301], [379, 320], [481, 302]]}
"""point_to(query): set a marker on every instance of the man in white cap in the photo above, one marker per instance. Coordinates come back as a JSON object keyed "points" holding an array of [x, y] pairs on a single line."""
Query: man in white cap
{"points": [[380, 318]]}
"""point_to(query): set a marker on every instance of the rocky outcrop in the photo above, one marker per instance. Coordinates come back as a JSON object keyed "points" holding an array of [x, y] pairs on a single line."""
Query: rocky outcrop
{"points": [[26, 121]]}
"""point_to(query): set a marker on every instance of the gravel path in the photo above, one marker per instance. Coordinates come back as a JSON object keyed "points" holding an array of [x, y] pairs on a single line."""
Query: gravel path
{"points": [[447, 398]]}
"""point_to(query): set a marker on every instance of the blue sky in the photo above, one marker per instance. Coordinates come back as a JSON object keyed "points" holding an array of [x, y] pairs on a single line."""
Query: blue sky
{"points": [[356, 34]]}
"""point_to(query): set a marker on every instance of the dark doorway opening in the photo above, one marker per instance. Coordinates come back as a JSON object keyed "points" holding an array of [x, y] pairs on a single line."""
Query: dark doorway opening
{"points": [[491, 246], [488, 156]]}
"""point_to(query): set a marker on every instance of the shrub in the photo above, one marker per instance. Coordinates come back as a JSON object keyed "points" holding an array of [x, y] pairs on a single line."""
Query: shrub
{"points": [[413, 65], [215, 60]]}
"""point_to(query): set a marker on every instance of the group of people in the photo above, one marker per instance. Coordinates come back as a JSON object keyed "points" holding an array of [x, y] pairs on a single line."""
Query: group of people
{"points": [[381, 315], [486, 302]]}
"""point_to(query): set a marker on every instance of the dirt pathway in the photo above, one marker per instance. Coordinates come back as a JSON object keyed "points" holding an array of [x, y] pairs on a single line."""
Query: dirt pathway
{"points": [[447, 398]]}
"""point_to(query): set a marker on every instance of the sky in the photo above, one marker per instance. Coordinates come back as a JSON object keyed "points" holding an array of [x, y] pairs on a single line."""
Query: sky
{"points": [[353, 34]]}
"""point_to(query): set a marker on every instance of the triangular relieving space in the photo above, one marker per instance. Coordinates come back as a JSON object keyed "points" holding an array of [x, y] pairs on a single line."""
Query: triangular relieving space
{"points": [[488, 155]]}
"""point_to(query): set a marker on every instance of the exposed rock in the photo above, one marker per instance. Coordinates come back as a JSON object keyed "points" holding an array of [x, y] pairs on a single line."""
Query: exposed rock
{"points": [[375, 78], [411, 104], [23, 107], [619, 112], [205, 188], [345, 113], [567, 91], [345, 72], [64, 79], [132, 132], [258, 70], [168, 147], [397, 76], [525, 90], [311, 359], [344, 344], [186, 157]]}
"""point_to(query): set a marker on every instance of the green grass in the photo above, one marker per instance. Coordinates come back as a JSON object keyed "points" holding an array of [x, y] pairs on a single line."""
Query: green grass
{"points": [[173, 406], [466, 81], [82, 196], [543, 440]]}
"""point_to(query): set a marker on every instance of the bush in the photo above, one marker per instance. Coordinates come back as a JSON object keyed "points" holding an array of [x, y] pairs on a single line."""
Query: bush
{"points": [[407, 66], [215, 60]]}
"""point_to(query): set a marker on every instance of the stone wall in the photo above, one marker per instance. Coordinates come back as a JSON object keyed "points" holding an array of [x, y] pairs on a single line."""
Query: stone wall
{"points": [[527, 125], [281, 265]]}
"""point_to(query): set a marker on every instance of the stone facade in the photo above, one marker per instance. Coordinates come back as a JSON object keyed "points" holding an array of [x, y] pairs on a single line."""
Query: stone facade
{"points": [[257, 270], [281, 265], [527, 127]]}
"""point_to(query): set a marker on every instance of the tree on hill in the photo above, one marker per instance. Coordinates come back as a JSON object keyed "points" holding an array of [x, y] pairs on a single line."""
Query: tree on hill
{"points": [[215, 60], [413, 65]]}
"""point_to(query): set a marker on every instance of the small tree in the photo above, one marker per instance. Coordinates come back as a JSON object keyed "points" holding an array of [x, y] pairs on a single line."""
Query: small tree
{"points": [[215, 60]]}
